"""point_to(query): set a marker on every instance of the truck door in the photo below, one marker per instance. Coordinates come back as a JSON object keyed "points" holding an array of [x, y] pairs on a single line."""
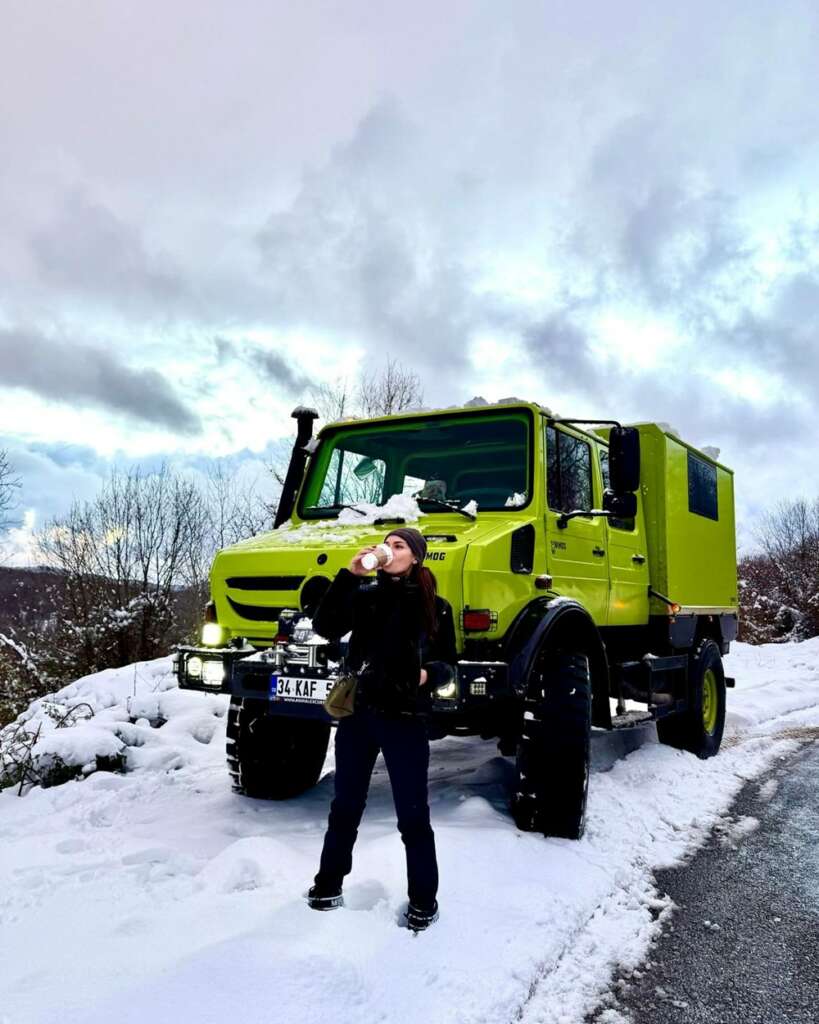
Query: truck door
{"points": [[628, 563], [576, 555]]}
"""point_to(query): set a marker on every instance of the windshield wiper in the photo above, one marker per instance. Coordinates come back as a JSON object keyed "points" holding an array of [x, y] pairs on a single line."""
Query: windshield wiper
{"points": [[448, 507], [361, 512]]}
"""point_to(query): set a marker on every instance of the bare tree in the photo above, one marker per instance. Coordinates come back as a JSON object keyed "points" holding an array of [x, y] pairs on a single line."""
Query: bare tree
{"points": [[9, 486], [334, 401], [779, 587], [125, 557], [393, 390], [790, 531], [235, 509], [390, 390]]}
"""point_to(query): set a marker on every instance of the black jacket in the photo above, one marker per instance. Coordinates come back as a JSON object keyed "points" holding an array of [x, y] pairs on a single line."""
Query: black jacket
{"points": [[388, 644]]}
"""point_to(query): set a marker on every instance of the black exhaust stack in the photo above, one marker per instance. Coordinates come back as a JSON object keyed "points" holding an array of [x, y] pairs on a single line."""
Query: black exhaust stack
{"points": [[298, 460]]}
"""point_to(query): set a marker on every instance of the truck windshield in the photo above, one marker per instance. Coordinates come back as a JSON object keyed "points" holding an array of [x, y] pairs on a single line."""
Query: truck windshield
{"points": [[457, 459]]}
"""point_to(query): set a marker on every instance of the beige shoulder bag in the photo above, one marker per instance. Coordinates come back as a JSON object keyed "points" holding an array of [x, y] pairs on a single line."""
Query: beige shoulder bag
{"points": [[340, 701]]}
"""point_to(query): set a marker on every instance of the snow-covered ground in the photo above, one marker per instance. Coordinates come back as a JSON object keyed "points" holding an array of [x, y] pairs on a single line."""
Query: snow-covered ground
{"points": [[159, 895]]}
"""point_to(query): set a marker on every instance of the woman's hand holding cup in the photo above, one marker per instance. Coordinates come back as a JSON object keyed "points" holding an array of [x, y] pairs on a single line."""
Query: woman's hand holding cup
{"points": [[356, 568]]}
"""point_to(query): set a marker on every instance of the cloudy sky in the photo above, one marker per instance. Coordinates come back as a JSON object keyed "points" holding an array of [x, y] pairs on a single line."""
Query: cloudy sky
{"points": [[206, 208]]}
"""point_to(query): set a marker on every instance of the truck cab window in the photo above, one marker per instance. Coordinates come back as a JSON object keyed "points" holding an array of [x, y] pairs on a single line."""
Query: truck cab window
{"points": [[617, 524], [351, 478], [458, 458], [568, 472]]}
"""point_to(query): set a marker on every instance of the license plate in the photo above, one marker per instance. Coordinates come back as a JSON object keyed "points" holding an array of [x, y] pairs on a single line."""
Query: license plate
{"points": [[300, 688]]}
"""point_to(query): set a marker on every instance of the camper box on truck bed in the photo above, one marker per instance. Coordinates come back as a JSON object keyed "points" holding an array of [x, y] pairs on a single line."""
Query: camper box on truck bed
{"points": [[688, 504]]}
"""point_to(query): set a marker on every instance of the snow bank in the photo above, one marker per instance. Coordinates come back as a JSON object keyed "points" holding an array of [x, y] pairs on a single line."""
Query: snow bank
{"points": [[113, 715]]}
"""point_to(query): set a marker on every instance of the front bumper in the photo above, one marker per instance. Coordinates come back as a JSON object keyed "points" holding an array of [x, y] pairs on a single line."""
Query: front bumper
{"points": [[216, 667], [479, 686]]}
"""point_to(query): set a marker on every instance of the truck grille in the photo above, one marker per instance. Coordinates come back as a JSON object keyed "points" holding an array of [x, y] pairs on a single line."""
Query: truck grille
{"points": [[265, 582], [254, 612]]}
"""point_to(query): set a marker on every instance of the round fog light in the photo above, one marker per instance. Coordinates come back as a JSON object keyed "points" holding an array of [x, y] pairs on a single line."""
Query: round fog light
{"points": [[448, 691], [212, 634]]}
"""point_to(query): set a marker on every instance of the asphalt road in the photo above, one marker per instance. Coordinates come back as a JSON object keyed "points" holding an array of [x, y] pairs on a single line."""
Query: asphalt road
{"points": [[743, 945]]}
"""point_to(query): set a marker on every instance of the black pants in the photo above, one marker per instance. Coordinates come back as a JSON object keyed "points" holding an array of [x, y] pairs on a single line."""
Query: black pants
{"points": [[404, 742]]}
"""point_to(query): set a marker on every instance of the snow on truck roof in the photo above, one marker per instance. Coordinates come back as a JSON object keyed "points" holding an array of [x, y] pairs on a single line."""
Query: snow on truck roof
{"points": [[708, 452], [474, 403], [478, 402]]}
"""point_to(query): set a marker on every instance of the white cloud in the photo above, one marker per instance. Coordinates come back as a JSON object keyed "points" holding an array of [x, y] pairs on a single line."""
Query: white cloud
{"points": [[17, 545]]}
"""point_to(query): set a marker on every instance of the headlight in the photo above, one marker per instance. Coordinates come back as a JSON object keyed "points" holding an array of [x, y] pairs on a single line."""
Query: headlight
{"points": [[212, 634], [213, 672], [449, 691], [194, 667]]}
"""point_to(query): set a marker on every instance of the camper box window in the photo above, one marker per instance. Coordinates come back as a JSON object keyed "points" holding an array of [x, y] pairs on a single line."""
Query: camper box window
{"points": [[702, 488]]}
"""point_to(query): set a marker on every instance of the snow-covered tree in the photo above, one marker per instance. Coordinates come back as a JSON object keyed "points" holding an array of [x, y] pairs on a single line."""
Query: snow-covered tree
{"points": [[779, 587]]}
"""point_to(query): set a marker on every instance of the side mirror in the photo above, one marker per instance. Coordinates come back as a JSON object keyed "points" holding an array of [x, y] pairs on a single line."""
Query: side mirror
{"points": [[364, 468], [621, 506], [624, 461]]}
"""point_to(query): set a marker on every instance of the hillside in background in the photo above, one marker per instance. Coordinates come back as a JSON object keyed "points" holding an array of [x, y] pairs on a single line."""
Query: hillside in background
{"points": [[29, 598]]}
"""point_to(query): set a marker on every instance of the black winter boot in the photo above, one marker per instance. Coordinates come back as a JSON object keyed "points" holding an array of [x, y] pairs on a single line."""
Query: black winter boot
{"points": [[322, 897], [419, 918]]}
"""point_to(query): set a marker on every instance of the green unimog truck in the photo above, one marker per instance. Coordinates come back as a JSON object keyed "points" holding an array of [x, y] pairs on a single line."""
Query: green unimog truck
{"points": [[587, 565]]}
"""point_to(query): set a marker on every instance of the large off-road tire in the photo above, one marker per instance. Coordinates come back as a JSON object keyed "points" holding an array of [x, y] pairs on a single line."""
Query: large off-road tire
{"points": [[553, 752], [699, 728], [271, 756]]}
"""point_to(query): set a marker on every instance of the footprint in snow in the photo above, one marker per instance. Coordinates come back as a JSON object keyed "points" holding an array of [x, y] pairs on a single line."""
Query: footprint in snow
{"points": [[204, 731], [130, 926], [365, 895], [102, 818], [152, 855], [76, 845], [234, 874]]}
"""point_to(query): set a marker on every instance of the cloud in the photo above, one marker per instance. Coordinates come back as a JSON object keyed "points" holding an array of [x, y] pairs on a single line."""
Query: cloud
{"points": [[562, 349], [17, 544], [689, 387], [275, 367], [51, 477], [88, 250], [674, 242], [356, 251], [414, 242], [66, 371]]}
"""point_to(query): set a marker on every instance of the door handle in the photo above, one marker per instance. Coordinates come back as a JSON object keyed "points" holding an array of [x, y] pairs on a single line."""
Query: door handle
{"points": [[639, 559], [598, 551]]}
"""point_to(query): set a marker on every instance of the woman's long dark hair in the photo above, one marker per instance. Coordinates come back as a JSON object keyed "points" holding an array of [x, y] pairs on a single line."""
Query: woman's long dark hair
{"points": [[429, 588]]}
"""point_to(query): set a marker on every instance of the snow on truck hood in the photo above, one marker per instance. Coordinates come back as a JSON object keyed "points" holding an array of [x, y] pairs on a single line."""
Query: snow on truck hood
{"points": [[352, 531]]}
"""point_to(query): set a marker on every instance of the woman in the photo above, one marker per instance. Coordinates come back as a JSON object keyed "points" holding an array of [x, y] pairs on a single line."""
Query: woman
{"points": [[402, 644]]}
